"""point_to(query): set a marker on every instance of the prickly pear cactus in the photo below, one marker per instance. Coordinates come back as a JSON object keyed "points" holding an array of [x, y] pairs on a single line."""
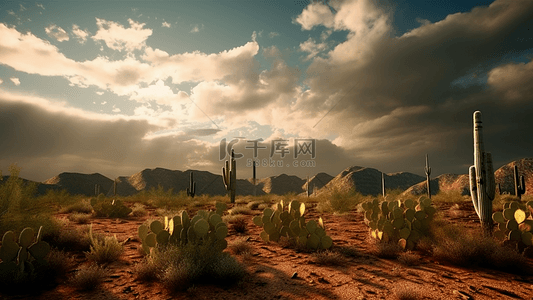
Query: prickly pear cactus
{"points": [[21, 257], [399, 222], [205, 228], [515, 224], [289, 221]]}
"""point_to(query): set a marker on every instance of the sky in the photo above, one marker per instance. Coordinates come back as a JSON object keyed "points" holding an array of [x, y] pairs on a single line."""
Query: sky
{"points": [[301, 87]]}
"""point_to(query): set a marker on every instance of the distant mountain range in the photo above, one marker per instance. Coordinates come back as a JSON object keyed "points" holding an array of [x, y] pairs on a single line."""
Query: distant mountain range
{"points": [[367, 181]]}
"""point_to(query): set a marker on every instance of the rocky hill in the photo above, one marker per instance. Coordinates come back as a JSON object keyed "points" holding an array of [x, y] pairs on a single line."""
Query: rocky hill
{"points": [[42, 188], [317, 182], [80, 184], [282, 184], [367, 181]]}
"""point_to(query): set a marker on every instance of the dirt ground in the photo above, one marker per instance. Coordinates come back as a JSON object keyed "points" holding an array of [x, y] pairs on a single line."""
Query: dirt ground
{"points": [[275, 272]]}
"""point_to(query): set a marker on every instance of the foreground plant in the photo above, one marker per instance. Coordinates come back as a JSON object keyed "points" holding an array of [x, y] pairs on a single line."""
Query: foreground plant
{"points": [[515, 224], [290, 223], [482, 182], [185, 251], [23, 260], [404, 223]]}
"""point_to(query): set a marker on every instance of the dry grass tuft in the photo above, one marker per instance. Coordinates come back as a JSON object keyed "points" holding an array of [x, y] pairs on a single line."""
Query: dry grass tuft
{"points": [[328, 258], [404, 292], [104, 251], [79, 218], [240, 247], [239, 224], [89, 278], [147, 270], [83, 206], [138, 210], [409, 259], [385, 250]]}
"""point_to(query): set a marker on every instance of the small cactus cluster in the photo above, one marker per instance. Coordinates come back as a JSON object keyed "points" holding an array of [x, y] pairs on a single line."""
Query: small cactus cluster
{"points": [[24, 256], [289, 221], [515, 223], [205, 228], [110, 208], [399, 222]]}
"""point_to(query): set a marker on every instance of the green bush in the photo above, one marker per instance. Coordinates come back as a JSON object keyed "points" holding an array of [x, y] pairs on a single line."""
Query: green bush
{"points": [[110, 208]]}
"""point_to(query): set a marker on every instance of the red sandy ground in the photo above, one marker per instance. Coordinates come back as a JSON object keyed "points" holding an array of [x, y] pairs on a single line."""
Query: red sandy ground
{"points": [[271, 267]]}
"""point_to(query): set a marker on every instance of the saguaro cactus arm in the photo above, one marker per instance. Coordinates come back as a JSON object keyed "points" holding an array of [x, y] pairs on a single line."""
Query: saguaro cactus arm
{"points": [[482, 182]]}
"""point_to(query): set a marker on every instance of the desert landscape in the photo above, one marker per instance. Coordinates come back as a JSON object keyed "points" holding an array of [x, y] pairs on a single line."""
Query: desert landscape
{"points": [[454, 261], [281, 149]]}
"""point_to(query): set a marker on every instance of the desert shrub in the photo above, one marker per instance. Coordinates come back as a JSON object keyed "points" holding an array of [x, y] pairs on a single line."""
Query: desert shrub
{"points": [[337, 201], [88, 278], [240, 246], [189, 265], [80, 218], [104, 251], [59, 198], [110, 208], [138, 210], [472, 249], [15, 195], [328, 258], [83, 206], [453, 196]]}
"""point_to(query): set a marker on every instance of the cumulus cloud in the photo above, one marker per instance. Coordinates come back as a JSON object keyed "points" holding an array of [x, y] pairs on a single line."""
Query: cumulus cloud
{"points": [[1, 81], [315, 14], [312, 47], [117, 37], [80, 34], [166, 24], [273, 34], [197, 66], [57, 33], [15, 80], [513, 81], [384, 96]]}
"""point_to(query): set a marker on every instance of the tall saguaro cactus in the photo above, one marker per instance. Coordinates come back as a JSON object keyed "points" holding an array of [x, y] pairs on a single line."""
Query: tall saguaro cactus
{"points": [[383, 184], [191, 190], [482, 182], [519, 184], [427, 169], [253, 176], [229, 175]]}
